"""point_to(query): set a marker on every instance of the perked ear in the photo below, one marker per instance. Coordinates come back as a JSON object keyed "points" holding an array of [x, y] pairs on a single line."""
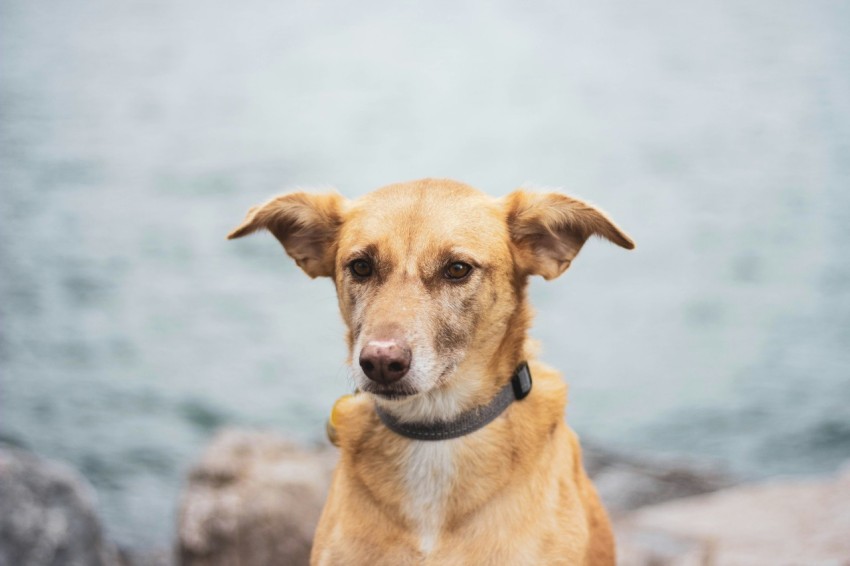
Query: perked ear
{"points": [[549, 229], [307, 225]]}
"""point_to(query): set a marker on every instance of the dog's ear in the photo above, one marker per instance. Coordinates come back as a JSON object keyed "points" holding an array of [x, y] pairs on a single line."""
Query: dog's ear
{"points": [[306, 224], [549, 229]]}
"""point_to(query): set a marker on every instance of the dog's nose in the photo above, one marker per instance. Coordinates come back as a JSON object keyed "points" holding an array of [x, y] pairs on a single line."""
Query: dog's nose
{"points": [[385, 361]]}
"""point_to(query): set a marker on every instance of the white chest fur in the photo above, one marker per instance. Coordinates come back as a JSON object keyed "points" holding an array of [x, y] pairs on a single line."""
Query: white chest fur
{"points": [[428, 478]]}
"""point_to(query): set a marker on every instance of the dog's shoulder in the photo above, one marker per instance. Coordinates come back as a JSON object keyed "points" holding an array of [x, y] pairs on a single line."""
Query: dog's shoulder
{"points": [[548, 398], [534, 427]]}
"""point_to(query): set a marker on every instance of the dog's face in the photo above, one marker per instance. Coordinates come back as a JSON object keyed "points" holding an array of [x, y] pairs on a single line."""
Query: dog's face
{"points": [[430, 274], [421, 273]]}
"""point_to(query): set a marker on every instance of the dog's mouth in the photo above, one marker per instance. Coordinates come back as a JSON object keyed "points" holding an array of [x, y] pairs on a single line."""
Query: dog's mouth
{"points": [[389, 392], [401, 389]]}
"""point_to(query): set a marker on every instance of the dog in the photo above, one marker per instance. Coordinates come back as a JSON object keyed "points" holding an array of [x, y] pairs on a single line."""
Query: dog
{"points": [[455, 451]]}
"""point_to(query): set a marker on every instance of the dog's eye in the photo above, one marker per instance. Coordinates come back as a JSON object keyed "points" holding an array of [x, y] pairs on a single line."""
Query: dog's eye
{"points": [[458, 270], [361, 268]]}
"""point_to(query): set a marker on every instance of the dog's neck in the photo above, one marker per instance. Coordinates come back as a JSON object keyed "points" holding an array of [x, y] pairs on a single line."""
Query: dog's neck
{"points": [[424, 479], [430, 470]]}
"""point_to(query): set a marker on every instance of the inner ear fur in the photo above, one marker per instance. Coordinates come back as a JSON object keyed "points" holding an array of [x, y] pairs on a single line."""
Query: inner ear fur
{"points": [[306, 224], [549, 229]]}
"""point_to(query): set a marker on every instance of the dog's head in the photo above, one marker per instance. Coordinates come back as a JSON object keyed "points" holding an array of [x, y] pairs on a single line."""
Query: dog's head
{"points": [[431, 275]]}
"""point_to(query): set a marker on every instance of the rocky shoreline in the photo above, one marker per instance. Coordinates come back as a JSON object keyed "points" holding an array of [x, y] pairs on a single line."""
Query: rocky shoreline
{"points": [[254, 498]]}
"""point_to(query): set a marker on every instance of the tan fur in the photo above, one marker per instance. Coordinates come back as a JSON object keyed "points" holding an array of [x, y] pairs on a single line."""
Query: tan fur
{"points": [[514, 492]]}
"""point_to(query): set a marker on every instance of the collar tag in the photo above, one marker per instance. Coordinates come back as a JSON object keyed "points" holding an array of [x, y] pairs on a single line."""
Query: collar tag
{"points": [[521, 381]]}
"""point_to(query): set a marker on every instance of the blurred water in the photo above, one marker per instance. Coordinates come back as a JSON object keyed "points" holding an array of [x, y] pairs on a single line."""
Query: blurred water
{"points": [[134, 135]]}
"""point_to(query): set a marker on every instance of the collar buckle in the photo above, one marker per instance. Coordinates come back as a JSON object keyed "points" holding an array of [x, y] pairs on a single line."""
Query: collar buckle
{"points": [[521, 381]]}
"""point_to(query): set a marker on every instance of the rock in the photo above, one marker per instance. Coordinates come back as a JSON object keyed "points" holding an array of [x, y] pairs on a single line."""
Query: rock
{"points": [[625, 483], [145, 557], [48, 515], [639, 547], [779, 522], [254, 500]]}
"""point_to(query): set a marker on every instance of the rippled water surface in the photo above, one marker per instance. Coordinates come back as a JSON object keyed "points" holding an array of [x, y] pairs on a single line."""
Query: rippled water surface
{"points": [[136, 134]]}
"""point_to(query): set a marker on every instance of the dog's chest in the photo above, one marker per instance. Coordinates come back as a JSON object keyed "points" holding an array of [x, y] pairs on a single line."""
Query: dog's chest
{"points": [[429, 474]]}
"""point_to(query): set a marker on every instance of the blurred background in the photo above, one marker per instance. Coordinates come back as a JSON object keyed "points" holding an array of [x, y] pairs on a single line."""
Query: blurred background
{"points": [[135, 134]]}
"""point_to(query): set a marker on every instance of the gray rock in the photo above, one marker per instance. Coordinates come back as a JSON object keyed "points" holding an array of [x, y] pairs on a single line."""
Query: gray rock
{"points": [[647, 547], [625, 483], [146, 557], [47, 515], [776, 523], [254, 500]]}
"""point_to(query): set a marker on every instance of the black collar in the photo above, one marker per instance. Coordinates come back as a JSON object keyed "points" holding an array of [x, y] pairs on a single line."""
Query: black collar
{"points": [[468, 421]]}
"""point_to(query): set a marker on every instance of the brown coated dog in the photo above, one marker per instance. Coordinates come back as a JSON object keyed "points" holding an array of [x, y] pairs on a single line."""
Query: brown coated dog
{"points": [[431, 278]]}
